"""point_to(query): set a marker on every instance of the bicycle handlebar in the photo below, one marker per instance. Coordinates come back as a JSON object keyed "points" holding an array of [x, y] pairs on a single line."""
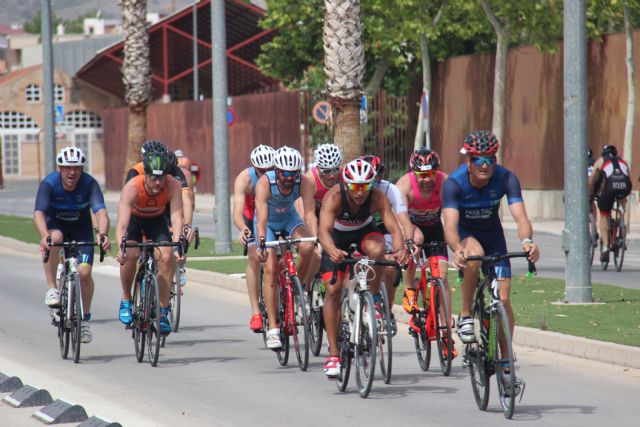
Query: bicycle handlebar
{"points": [[179, 244], [497, 258], [72, 244], [288, 241], [367, 261]]}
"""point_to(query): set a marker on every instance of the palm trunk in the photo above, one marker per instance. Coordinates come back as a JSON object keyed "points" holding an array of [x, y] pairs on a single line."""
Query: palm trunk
{"points": [[631, 89]]}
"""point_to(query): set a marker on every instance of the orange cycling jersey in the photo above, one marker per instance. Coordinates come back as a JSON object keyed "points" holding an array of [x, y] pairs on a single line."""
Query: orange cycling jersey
{"points": [[145, 205], [139, 167]]}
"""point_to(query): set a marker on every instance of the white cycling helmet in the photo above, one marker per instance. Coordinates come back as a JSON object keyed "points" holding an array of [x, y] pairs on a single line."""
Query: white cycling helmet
{"points": [[327, 156], [288, 159], [178, 153], [358, 171], [70, 156], [262, 157]]}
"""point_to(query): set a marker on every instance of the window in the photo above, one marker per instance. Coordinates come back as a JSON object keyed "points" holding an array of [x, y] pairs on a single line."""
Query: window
{"points": [[31, 137], [83, 142], [11, 154], [58, 93], [82, 120], [16, 120], [33, 94]]}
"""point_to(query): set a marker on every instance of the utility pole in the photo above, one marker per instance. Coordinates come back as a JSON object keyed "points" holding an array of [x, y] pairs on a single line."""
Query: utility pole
{"points": [[47, 77], [575, 236], [196, 89], [221, 215]]}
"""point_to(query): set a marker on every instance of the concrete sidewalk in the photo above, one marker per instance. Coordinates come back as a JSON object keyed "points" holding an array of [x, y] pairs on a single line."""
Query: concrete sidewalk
{"points": [[616, 354]]}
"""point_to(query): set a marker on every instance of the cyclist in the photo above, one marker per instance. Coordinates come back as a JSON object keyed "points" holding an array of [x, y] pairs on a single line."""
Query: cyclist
{"points": [[345, 218], [63, 207], [609, 180], [276, 194], [143, 201], [244, 193], [471, 200], [321, 178], [184, 163], [392, 276]]}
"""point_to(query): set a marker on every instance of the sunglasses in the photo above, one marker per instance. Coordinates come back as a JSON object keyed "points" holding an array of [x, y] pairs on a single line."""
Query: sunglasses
{"points": [[329, 171], [289, 174], [156, 177], [481, 160], [423, 174], [359, 187]]}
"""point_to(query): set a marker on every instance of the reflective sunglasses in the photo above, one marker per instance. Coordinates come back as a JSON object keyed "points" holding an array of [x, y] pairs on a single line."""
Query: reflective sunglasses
{"points": [[329, 171], [424, 174], [359, 187], [156, 177], [289, 174], [481, 160]]}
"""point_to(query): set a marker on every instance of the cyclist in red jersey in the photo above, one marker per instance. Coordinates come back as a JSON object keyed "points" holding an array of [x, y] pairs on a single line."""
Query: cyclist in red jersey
{"points": [[244, 195]]}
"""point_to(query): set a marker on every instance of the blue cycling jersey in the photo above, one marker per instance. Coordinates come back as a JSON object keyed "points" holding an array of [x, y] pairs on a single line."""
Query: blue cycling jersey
{"points": [[69, 207], [478, 207], [281, 206]]}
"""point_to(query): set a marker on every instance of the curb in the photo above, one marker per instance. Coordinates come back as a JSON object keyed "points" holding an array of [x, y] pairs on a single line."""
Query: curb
{"points": [[601, 351]]}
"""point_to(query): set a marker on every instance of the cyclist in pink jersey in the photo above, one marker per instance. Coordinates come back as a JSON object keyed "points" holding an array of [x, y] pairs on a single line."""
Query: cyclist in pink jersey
{"points": [[421, 190]]}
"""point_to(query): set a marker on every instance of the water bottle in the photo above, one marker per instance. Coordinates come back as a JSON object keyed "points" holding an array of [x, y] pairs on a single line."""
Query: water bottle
{"points": [[59, 272], [183, 276]]}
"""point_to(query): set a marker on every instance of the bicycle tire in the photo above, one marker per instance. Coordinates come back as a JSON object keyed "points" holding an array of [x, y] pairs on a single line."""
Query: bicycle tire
{"points": [[385, 342], [300, 319], [63, 329], [476, 355], [344, 344], [152, 316], [443, 330], [316, 319], [504, 360], [175, 302], [366, 343], [618, 254], [75, 320], [603, 264], [283, 352], [139, 332], [420, 340], [263, 312], [592, 237]]}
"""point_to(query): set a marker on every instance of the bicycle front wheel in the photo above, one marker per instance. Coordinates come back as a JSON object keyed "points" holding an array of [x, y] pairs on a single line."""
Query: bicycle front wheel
{"points": [[476, 356], [175, 302], [139, 324], [420, 339], [366, 340], [63, 322], [316, 325], [385, 348], [300, 319], [282, 299], [504, 366], [152, 315], [263, 312], [344, 344], [75, 319], [442, 318]]}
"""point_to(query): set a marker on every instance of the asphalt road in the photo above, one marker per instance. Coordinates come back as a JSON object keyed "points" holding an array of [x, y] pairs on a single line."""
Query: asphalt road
{"points": [[215, 372]]}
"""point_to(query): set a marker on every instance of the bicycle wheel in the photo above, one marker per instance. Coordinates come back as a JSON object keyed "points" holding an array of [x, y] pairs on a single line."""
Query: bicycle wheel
{"points": [[344, 344], [281, 299], [476, 355], [618, 254], [366, 339], [63, 323], [316, 325], [385, 348], [75, 319], [139, 324], [175, 302], [444, 338], [504, 367], [300, 331], [420, 340], [592, 237], [263, 313], [152, 315]]}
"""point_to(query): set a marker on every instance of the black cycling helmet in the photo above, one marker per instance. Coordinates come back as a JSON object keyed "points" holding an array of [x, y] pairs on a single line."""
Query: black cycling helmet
{"points": [[173, 159], [609, 149], [156, 164], [153, 146], [376, 162]]}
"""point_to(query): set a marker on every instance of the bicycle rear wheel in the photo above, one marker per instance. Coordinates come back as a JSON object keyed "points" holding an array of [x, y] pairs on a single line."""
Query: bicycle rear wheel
{"points": [[604, 264], [316, 325], [281, 298], [476, 356], [592, 236], [75, 320], [366, 340], [444, 338], [618, 254], [344, 344], [175, 302], [385, 348], [420, 340], [152, 314], [504, 367], [300, 330], [139, 324], [63, 324]]}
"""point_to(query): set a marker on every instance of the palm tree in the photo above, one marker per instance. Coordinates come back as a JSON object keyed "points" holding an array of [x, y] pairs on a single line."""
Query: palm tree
{"points": [[136, 74], [344, 67]]}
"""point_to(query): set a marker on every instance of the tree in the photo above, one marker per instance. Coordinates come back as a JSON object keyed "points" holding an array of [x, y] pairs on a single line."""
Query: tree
{"points": [[344, 66], [34, 26], [136, 74]]}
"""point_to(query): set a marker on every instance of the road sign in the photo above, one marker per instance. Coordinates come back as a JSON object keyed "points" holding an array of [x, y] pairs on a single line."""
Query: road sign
{"points": [[320, 112], [231, 116], [59, 113]]}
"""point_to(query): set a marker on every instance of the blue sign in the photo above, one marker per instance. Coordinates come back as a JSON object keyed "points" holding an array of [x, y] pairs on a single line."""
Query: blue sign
{"points": [[59, 114]]}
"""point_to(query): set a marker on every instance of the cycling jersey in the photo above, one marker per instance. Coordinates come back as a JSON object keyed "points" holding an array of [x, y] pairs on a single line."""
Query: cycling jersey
{"points": [[615, 172], [250, 199], [321, 190], [426, 213], [347, 221], [175, 171], [281, 212], [395, 198], [145, 205]]}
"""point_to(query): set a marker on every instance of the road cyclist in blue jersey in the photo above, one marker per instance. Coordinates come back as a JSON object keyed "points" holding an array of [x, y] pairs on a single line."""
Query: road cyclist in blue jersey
{"points": [[64, 203], [276, 195], [471, 203]]}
